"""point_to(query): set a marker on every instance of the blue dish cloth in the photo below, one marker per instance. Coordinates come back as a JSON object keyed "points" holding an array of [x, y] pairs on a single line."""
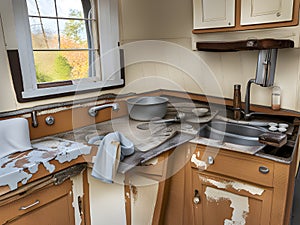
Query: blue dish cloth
{"points": [[112, 149]]}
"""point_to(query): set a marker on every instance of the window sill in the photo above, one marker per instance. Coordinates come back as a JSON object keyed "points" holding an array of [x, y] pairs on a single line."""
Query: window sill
{"points": [[75, 88]]}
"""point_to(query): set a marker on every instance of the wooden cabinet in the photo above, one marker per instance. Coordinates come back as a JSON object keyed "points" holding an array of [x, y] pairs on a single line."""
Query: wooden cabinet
{"points": [[51, 205], [236, 15], [267, 11], [219, 201], [239, 188], [207, 15], [218, 187]]}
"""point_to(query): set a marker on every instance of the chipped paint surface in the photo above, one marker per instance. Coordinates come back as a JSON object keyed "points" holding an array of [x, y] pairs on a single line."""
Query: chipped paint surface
{"points": [[235, 185], [152, 162], [251, 189], [199, 163], [77, 189], [24, 165], [239, 204]]}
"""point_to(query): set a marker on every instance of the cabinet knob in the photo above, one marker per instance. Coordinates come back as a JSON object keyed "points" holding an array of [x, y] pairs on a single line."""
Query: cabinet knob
{"points": [[210, 160], [263, 169], [49, 120], [278, 14], [196, 198]]}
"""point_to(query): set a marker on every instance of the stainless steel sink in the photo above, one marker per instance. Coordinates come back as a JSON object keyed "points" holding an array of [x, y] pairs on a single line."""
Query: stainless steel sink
{"points": [[238, 134]]}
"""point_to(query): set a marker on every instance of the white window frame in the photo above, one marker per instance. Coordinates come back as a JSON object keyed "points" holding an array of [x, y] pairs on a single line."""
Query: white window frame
{"points": [[108, 71]]}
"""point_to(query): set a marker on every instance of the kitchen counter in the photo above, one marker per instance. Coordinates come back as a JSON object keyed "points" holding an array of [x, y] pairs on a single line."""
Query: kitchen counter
{"points": [[58, 152], [155, 140], [149, 143]]}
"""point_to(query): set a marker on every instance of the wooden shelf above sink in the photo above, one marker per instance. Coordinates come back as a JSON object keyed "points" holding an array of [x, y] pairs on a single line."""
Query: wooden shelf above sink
{"points": [[253, 44]]}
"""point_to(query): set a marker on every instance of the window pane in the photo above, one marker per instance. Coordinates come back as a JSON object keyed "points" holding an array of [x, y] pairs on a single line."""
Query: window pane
{"points": [[41, 7], [73, 34], [44, 33], [70, 8], [61, 65]]}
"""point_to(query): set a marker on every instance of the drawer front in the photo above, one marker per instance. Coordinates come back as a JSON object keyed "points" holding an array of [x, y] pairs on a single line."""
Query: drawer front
{"points": [[33, 201], [241, 166]]}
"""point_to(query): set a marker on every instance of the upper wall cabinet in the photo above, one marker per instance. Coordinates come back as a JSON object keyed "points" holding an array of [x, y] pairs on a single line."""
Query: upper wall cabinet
{"points": [[266, 11], [237, 15], [207, 15]]}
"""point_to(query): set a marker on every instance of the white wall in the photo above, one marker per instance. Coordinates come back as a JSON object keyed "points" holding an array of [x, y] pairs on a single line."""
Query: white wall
{"points": [[172, 21]]}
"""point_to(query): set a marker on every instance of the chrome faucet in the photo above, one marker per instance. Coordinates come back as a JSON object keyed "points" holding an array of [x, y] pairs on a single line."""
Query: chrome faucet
{"points": [[93, 111], [265, 72]]}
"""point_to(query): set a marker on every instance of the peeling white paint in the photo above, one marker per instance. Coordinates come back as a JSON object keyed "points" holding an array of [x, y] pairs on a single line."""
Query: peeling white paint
{"points": [[152, 162], [199, 163], [77, 189], [239, 204], [65, 150], [11, 176], [218, 184], [251, 189], [235, 185], [12, 170]]}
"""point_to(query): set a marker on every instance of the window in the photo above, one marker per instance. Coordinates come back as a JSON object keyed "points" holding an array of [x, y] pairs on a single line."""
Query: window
{"points": [[63, 43], [65, 46]]}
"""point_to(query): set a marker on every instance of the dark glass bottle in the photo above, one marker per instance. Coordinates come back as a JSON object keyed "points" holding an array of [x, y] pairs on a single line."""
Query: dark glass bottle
{"points": [[237, 102]]}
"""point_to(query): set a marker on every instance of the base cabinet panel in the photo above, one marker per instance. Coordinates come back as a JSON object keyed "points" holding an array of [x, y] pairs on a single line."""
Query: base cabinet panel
{"points": [[220, 201], [50, 214], [50, 205]]}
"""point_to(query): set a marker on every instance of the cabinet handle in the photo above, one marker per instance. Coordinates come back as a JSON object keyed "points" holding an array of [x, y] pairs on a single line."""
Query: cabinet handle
{"points": [[264, 169], [29, 206]]}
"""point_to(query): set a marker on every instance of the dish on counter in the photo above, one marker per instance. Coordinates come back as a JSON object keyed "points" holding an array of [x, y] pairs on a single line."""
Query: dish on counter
{"points": [[147, 108], [200, 111]]}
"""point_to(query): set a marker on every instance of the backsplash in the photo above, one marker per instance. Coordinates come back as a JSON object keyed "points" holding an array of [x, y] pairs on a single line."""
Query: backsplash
{"points": [[228, 69]]}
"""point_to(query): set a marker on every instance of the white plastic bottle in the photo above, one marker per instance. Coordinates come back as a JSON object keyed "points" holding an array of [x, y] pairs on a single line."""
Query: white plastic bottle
{"points": [[276, 98]]}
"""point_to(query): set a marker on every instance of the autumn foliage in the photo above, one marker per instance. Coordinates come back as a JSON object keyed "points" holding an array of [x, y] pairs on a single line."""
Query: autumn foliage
{"points": [[66, 63]]}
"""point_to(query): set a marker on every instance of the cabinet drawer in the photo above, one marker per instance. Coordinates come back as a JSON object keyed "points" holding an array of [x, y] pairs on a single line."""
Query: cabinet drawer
{"points": [[242, 166], [33, 201]]}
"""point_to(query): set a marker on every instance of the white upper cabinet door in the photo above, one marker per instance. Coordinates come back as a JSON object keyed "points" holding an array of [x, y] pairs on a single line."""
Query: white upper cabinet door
{"points": [[266, 11], [214, 13]]}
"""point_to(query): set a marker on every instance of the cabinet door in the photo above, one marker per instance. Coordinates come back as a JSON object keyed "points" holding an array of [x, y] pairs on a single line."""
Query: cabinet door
{"points": [[266, 11], [214, 13], [59, 212], [50, 205], [223, 201]]}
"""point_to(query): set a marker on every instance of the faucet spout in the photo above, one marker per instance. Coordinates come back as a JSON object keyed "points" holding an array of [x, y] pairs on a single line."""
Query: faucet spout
{"points": [[93, 111], [247, 99]]}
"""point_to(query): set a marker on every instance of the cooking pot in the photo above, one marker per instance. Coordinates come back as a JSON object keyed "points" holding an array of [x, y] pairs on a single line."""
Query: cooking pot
{"points": [[147, 108]]}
